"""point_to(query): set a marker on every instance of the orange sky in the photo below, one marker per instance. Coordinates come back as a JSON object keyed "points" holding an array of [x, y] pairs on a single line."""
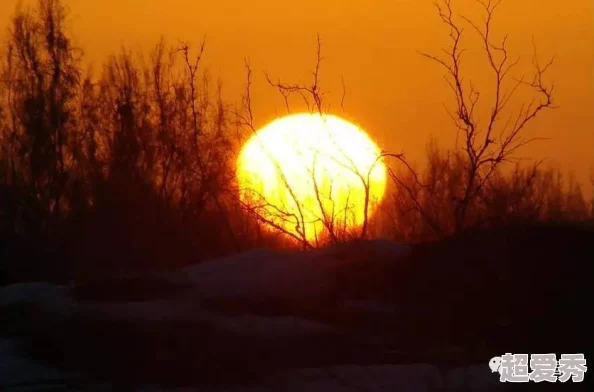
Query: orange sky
{"points": [[392, 91]]}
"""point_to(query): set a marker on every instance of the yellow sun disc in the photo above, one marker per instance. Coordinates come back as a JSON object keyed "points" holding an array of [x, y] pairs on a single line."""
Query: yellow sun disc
{"points": [[307, 174]]}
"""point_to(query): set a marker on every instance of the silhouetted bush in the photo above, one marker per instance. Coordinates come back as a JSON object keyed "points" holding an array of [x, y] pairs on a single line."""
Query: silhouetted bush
{"points": [[423, 208]]}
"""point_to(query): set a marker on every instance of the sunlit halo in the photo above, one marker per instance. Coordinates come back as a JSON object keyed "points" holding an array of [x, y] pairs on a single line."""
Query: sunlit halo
{"points": [[304, 172]]}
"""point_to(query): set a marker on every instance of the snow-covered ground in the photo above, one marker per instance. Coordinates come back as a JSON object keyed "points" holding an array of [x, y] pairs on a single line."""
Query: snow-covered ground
{"points": [[386, 378], [252, 276], [47, 296], [260, 274], [287, 275], [180, 310], [417, 377], [19, 374]]}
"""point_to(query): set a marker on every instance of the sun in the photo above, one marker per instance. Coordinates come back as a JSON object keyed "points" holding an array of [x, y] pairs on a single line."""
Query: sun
{"points": [[308, 174]]}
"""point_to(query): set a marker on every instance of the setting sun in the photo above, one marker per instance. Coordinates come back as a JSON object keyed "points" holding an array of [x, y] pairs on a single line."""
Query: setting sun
{"points": [[307, 172]]}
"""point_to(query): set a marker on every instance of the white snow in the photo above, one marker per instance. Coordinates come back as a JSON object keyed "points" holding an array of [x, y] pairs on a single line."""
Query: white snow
{"points": [[402, 378], [420, 377], [248, 325], [259, 274], [18, 373], [16, 370], [185, 310], [252, 276], [47, 296], [386, 249], [368, 306], [286, 275], [381, 378], [159, 310]]}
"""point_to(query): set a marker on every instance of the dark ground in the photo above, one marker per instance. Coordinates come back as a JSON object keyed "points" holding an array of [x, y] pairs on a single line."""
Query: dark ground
{"points": [[518, 289]]}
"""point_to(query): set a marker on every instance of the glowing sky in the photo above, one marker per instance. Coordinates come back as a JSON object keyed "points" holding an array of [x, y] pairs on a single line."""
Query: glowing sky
{"points": [[391, 90]]}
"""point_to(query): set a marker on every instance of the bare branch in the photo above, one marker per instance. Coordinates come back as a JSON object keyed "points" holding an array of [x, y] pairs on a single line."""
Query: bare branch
{"points": [[484, 154], [304, 91], [343, 93]]}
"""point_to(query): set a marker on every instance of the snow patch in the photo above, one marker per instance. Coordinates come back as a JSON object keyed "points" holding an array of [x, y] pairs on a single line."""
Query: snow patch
{"points": [[47, 296], [259, 274], [268, 326], [287, 275], [21, 373]]}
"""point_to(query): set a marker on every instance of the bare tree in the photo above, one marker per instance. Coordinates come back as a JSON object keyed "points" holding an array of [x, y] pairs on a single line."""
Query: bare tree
{"points": [[421, 208], [324, 211], [41, 77], [255, 204], [487, 145], [312, 95], [592, 196]]}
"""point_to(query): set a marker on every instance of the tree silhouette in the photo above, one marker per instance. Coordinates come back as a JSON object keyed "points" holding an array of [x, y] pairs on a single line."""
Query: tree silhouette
{"points": [[324, 210], [41, 77], [489, 144]]}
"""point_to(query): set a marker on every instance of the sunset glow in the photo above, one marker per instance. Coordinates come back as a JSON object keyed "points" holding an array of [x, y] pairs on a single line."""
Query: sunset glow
{"points": [[311, 166]]}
